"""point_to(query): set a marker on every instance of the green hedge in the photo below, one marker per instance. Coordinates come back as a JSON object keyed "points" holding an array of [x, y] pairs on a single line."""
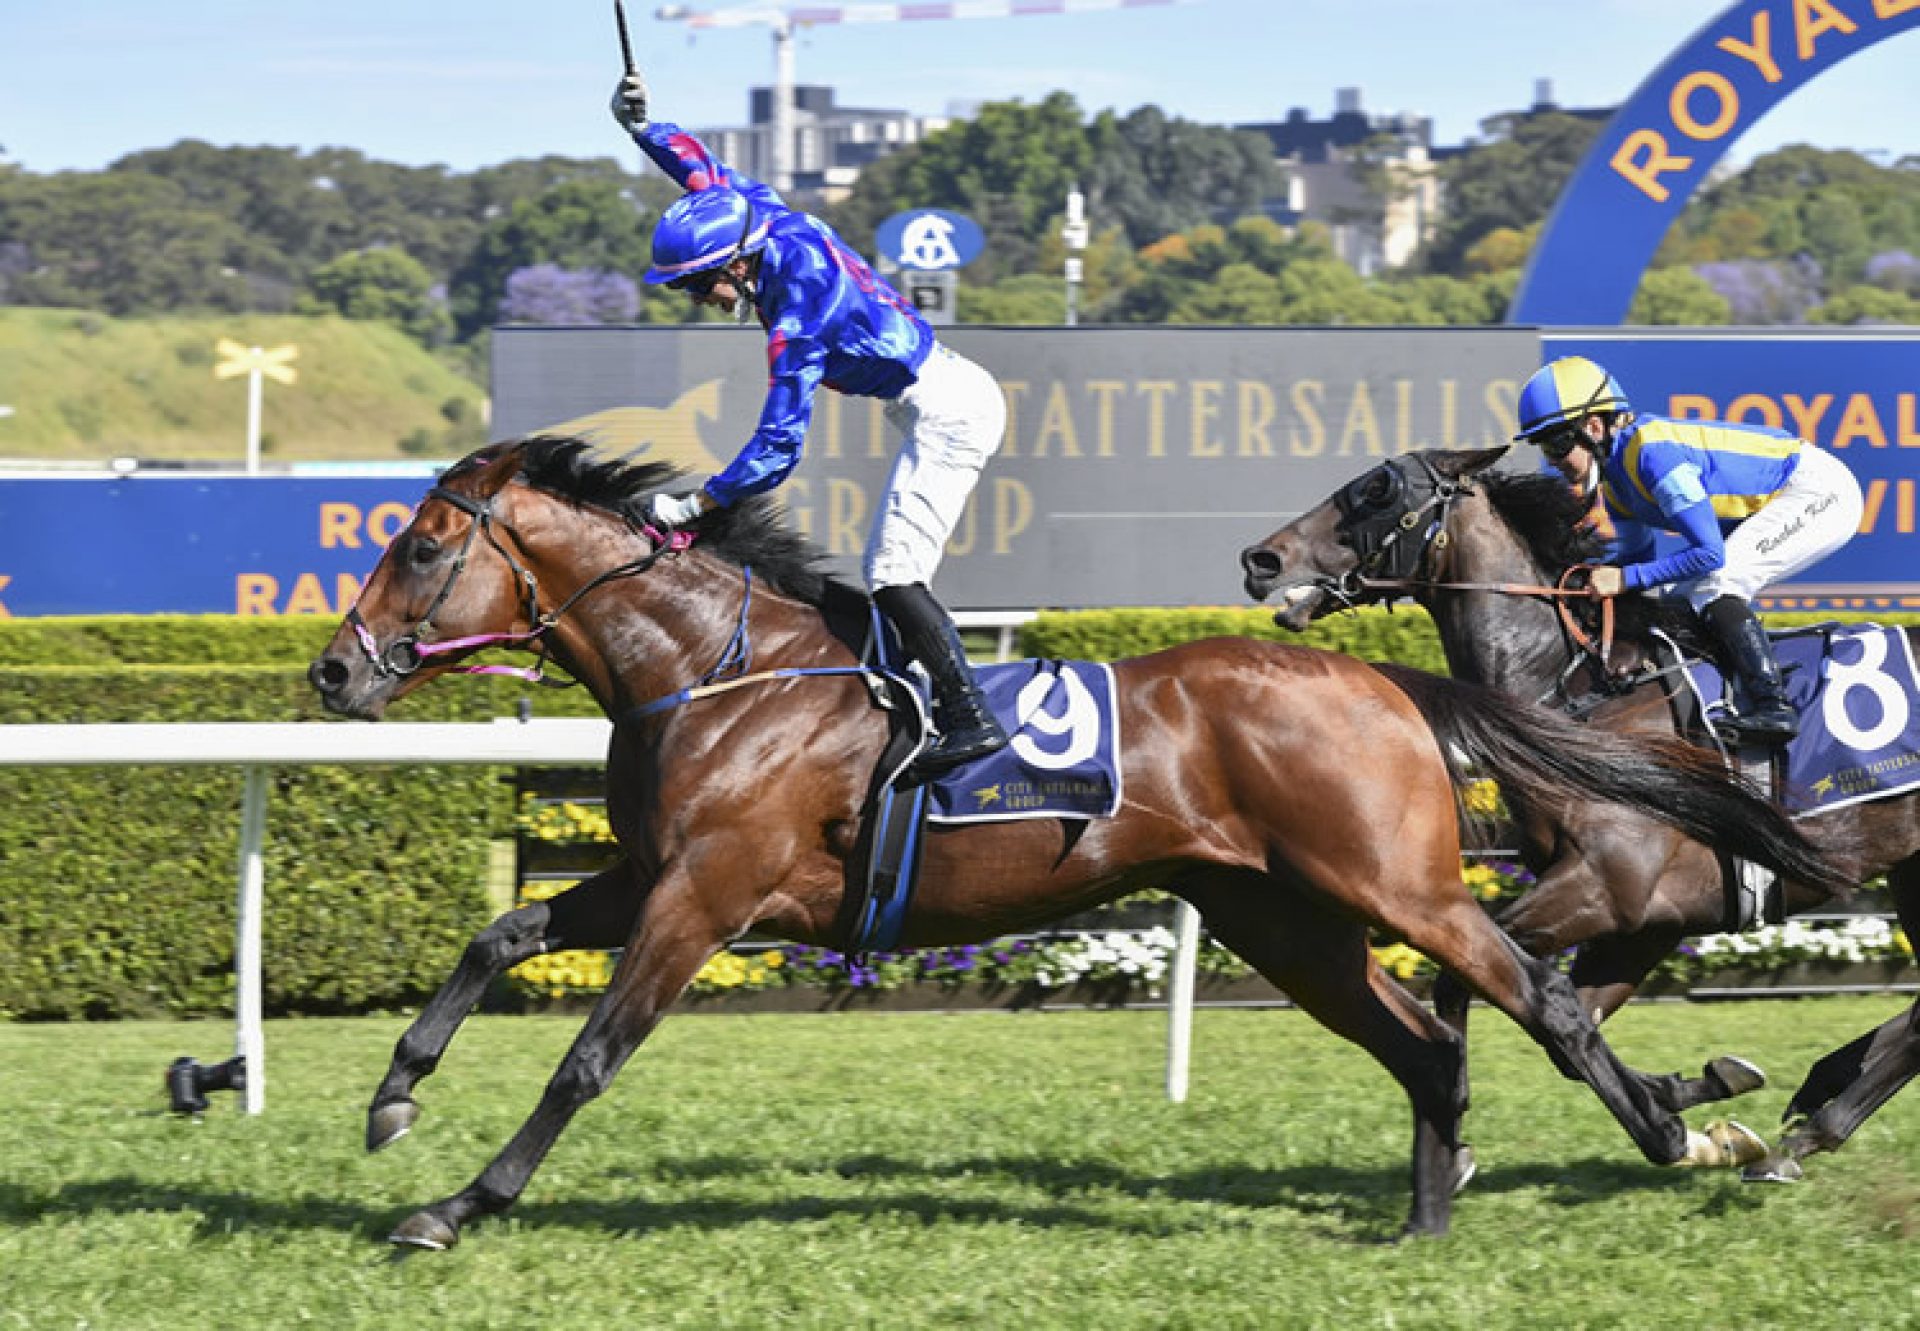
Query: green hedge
{"points": [[116, 883], [1404, 634]]}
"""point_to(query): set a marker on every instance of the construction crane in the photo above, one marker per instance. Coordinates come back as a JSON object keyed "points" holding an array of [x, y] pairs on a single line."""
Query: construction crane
{"points": [[784, 20]]}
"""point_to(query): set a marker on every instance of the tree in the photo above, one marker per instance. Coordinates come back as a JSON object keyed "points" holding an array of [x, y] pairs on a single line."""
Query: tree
{"points": [[123, 244], [580, 224], [1867, 305], [1510, 182], [1678, 296], [380, 284], [549, 294]]}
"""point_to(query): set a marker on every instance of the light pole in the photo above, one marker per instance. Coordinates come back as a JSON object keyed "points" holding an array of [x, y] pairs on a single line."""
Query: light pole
{"points": [[1074, 232]]}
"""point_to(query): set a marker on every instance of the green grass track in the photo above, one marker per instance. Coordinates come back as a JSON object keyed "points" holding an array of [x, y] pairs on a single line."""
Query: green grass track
{"points": [[967, 1170]]}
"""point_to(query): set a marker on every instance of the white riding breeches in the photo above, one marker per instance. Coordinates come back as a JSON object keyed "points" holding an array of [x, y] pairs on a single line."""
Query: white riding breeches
{"points": [[1814, 514], [953, 419]]}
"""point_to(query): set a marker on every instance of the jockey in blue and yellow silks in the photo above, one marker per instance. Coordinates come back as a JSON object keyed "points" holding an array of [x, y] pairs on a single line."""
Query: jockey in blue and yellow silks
{"points": [[1753, 505], [731, 242]]}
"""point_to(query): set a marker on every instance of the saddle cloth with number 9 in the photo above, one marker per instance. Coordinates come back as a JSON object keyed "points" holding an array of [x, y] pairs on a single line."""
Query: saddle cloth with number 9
{"points": [[1064, 758], [1855, 688]]}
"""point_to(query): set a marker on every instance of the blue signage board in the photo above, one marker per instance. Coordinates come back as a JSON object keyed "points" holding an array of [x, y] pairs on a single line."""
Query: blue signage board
{"points": [[1855, 395], [930, 240], [151, 544]]}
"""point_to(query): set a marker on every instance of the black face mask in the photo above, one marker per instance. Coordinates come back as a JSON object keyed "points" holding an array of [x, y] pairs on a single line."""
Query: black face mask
{"points": [[1370, 507]]}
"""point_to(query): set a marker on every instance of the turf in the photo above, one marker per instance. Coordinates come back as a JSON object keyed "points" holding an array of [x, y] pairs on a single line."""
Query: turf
{"points": [[976, 1170]]}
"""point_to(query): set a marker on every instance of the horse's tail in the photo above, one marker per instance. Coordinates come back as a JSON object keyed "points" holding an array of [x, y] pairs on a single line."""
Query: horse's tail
{"points": [[1536, 755]]}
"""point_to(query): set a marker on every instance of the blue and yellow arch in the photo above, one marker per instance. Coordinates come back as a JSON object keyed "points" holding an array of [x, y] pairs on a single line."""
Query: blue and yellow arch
{"points": [[1660, 145]]}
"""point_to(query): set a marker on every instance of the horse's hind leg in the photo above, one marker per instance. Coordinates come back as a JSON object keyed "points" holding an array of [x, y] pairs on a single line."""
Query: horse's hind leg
{"points": [[1450, 927], [598, 912], [1844, 1088], [1320, 958], [675, 938]]}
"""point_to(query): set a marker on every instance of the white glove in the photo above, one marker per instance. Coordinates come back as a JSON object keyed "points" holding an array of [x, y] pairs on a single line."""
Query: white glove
{"points": [[630, 103], [671, 511]]}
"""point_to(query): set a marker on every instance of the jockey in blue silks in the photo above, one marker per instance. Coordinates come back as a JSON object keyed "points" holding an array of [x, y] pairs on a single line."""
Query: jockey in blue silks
{"points": [[1753, 505], [732, 243]]}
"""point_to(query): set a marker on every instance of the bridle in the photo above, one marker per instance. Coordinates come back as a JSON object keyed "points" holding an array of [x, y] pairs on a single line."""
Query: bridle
{"points": [[1381, 511], [414, 649]]}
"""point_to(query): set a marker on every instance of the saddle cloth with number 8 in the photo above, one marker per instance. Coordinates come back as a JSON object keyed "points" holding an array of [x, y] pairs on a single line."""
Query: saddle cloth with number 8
{"points": [[1855, 688]]}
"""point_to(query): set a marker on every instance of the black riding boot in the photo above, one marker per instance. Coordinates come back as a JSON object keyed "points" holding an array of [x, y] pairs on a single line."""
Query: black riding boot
{"points": [[1769, 718], [967, 730]]}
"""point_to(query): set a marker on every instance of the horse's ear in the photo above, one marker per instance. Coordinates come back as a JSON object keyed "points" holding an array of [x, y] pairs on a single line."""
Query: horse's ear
{"points": [[1467, 462], [496, 471]]}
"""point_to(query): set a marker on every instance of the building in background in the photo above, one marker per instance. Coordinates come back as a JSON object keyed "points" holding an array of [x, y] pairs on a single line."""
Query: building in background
{"points": [[1369, 179], [832, 143]]}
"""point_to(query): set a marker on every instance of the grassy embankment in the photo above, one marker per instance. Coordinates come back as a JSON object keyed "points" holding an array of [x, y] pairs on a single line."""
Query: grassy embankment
{"points": [[85, 387]]}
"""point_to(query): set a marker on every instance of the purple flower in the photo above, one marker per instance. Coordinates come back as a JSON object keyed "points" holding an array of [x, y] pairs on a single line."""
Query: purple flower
{"points": [[1766, 291], [549, 294]]}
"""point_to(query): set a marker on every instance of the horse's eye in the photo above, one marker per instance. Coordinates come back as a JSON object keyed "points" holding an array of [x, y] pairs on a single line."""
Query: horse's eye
{"points": [[423, 550]]}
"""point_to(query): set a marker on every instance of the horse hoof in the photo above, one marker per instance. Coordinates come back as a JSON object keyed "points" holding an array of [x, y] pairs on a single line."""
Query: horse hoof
{"points": [[1464, 1168], [388, 1123], [1739, 1144], [424, 1229], [1773, 1169], [1724, 1145], [1736, 1074]]}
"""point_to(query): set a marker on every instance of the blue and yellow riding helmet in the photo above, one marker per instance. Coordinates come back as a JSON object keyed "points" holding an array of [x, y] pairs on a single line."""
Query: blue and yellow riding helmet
{"points": [[1561, 393]]}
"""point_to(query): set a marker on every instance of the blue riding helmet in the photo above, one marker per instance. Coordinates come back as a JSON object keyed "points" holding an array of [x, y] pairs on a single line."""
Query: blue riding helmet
{"points": [[1563, 391], [703, 230]]}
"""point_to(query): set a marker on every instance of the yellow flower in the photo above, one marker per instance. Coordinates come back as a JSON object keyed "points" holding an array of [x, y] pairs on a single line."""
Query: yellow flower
{"points": [[1482, 799], [1399, 960]]}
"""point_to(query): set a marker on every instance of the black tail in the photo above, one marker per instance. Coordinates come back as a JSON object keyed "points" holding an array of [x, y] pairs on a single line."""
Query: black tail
{"points": [[1538, 756]]}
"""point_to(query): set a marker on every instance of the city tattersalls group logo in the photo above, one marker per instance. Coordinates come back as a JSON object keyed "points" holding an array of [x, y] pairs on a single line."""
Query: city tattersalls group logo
{"points": [[668, 434]]}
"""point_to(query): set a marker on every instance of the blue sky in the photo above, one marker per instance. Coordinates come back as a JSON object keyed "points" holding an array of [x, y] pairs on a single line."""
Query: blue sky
{"points": [[483, 81]]}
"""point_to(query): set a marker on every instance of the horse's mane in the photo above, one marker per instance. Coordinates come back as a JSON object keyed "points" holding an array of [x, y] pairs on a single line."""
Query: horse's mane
{"points": [[752, 532], [1550, 519]]}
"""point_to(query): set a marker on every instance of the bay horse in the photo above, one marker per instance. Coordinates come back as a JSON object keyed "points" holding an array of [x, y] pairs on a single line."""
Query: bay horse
{"points": [[1295, 797], [1467, 542]]}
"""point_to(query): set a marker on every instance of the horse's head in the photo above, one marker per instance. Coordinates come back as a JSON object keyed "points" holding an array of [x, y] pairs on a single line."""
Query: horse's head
{"points": [[452, 576], [1378, 527]]}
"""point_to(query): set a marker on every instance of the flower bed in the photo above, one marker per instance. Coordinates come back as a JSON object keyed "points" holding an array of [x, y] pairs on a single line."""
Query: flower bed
{"points": [[1108, 966]]}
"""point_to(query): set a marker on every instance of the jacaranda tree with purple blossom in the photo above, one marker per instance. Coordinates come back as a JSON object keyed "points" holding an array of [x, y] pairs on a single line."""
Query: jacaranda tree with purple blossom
{"points": [[546, 293]]}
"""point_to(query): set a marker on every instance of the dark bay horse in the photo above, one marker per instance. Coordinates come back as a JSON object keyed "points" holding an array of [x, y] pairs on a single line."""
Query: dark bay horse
{"points": [[1452, 533], [1295, 797]]}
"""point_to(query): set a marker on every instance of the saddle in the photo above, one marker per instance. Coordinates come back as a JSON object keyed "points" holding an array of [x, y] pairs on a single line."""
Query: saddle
{"points": [[1064, 763]]}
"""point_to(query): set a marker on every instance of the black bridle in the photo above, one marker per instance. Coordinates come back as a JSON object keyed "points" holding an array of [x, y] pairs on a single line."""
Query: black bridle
{"points": [[414, 649], [1392, 520], [1379, 514]]}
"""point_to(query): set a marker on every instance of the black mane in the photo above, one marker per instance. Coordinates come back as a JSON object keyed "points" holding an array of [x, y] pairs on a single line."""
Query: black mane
{"points": [[1550, 520], [1547, 516], [752, 532]]}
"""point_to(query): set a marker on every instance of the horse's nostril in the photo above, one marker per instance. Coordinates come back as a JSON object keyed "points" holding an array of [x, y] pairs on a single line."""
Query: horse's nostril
{"points": [[328, 674], [1261, 561]]}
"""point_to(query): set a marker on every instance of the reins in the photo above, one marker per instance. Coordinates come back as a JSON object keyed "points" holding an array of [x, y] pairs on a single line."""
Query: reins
{"points": [[1446, 492], [412, 651]]}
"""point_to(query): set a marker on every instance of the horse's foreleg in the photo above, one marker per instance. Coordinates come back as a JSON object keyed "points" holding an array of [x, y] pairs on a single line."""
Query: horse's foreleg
{"points": [[1846, 1086], [1320, 958], [598, 912], [674, 940], [1887, 1059]]}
